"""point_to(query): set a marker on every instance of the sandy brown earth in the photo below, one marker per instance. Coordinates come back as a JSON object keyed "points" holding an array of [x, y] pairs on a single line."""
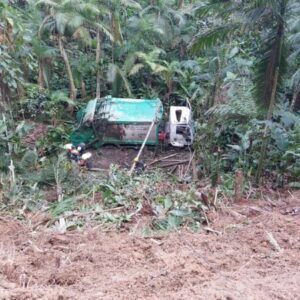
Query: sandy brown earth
{"points": [[235, 260]]}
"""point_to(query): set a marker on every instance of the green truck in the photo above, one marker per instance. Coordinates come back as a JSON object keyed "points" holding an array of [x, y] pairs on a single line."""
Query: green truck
{"points": [[118, 121]]}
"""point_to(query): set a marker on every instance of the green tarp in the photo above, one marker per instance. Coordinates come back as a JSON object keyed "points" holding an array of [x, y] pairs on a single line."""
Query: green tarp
{"points": [[118, 120]]}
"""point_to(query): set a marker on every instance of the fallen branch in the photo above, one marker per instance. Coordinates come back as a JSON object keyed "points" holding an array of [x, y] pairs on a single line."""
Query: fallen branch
{"points": [[175, 164], [212, 230], [161, 159], [173, 169], [98, 170]]}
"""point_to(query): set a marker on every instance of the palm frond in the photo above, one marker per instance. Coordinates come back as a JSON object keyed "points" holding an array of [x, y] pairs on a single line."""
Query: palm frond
{"points": [[42, 50], [135, 69], [61, 22], [294, 56], [214, 7], [295, 81], [273, 58], [47, 2], [114, 73], [210, 38], [104, 30], [295, 38], [131, 3]]}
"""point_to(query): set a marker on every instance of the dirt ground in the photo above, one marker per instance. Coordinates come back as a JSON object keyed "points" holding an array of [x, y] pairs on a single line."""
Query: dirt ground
{"points": [[233, 259], [124, 156]]}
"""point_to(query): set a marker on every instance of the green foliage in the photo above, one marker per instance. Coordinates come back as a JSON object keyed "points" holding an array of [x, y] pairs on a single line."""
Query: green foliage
{"points": [[53, 141], [43, 106], [32, 105], [236, 143], [212, 53]]}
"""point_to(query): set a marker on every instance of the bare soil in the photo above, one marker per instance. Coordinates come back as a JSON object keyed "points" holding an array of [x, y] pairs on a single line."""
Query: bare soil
{"points": [[232, 259], [123, 156]]}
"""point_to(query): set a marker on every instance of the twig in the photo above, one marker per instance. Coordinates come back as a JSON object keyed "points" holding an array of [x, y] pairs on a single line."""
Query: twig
{"points": [[174, 164], [250, 191], [212, 230], [173, 169], [98, 170], [188, 167], [161, 159], [194, 168], [273, 242], [216, 197]]}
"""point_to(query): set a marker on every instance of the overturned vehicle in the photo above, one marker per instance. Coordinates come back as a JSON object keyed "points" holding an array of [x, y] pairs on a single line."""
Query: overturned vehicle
{"points": [[127, 121]]}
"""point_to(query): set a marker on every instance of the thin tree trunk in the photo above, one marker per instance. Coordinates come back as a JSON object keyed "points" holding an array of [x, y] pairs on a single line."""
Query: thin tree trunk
{"points": [[41, 79], [274, 64], [180, 4], [98, 54], [83, 89], [265, 142], [68, 67], [296, 107], [295, 100], [4, 92], [113, 27]]}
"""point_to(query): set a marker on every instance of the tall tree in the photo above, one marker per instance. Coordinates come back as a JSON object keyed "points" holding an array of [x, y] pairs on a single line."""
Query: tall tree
{"points": [[268, 20]]}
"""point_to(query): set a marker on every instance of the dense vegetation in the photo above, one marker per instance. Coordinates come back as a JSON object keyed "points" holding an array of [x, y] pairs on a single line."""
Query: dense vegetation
{"points": [[237, 62]]}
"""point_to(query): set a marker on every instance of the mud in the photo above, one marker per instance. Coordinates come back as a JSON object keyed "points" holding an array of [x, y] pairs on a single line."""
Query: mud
{"points": [[232, 259]]}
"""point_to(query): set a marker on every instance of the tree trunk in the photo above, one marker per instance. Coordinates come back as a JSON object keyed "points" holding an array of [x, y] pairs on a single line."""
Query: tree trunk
{"points": [[295, 105], [238, 185], [4, 92], [83, 89], [41, 79], [272, 74], [68, 67], [266, 139], [180, 4], [98, 54]]}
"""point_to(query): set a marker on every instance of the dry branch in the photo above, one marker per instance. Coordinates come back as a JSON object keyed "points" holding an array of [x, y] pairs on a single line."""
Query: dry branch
{"points": [[161, 159]]}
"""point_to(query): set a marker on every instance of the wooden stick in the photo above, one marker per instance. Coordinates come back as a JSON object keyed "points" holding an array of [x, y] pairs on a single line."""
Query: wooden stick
{"points": [[98, 170], [163, 158], [174, 164], [174, 169], [194, 168], [174, 161], [190, 161], [144, 143]]}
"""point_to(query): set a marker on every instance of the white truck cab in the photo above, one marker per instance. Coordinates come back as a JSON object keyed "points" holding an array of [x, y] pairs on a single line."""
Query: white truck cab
{"points": [[180, 126]]}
